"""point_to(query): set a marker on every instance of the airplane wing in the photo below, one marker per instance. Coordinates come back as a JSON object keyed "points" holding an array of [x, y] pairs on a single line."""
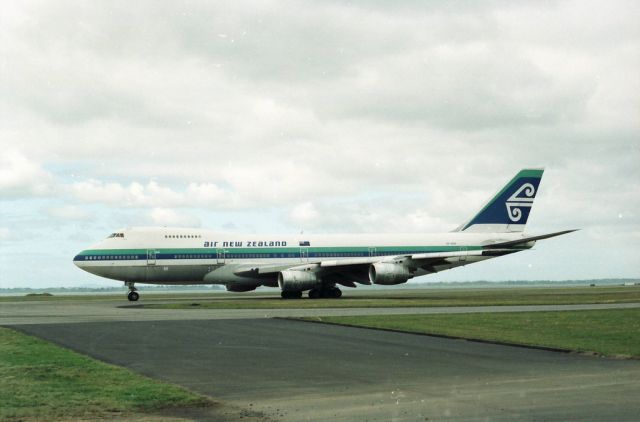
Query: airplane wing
{"points": [[349, 271]]}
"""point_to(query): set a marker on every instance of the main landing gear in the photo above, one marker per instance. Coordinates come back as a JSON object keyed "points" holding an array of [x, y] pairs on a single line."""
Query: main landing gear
{"points": [[325, 292], [133, 295]]}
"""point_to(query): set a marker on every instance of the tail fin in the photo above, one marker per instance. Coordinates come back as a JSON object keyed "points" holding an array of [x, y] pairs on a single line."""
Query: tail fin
{"points": [[509, 209]]}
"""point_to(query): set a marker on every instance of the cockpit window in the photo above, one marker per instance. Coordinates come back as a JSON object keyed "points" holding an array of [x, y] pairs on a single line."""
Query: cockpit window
{"points": [[115, 235]]}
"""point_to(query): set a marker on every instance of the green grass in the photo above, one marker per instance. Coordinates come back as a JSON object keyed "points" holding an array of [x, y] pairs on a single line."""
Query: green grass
{"points": [[613, 332], [424, 298], [61, 297], [40, 381], [121, 297]]}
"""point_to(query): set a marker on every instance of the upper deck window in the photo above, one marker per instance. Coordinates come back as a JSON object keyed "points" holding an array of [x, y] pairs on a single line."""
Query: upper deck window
{"points": [[115, 235]]}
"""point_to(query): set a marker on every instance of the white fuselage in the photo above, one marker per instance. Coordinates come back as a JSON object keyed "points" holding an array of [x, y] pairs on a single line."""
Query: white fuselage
{"points": [[199, 256]]}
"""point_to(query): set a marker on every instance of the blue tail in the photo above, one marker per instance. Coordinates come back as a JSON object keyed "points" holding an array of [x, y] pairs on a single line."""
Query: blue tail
{"points": [[508, 211]]}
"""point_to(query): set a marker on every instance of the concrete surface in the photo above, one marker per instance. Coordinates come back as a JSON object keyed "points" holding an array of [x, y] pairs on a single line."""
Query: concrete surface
{"points": [[97, 310]]}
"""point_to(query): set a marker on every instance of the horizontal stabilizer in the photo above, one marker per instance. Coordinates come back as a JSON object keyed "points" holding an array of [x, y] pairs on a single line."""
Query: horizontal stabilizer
{"points": [[528, 239]]}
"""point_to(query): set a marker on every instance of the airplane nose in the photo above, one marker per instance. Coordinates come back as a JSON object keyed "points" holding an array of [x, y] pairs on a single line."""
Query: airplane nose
{"points": [[77, 259]]}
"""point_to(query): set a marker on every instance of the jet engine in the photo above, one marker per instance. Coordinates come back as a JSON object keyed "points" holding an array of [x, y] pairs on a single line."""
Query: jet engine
{"points": [[297, 280], [386, 273]]}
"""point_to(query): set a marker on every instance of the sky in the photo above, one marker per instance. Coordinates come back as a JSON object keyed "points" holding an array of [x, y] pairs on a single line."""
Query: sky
{"points": [[317, 116]]}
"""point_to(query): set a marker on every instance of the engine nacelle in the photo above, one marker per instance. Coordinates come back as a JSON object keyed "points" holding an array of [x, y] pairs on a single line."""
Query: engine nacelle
{"points": [[297, 280], [386, 273]]}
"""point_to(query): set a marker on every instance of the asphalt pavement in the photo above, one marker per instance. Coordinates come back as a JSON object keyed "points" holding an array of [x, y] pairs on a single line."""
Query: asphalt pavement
{"points": [[295, 371]]}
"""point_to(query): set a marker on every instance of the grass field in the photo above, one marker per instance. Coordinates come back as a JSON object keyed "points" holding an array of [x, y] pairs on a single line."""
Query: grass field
{"points": [[421, 298], [41, 381], [61, 297], [614, 332]]}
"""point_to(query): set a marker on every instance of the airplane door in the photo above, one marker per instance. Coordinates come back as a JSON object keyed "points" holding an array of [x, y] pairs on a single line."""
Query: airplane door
{"points": [[304, 254], [372, 251], [221, 255], [151, 257], [463, 257]]}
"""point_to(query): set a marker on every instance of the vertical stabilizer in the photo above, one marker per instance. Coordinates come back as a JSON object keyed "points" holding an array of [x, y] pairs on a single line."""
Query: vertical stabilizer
{"points": [[508, 210]]}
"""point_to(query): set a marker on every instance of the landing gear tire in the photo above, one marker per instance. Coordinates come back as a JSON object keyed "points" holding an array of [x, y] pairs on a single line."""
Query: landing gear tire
{"points": [[133, 294], [291, 294], [314, 294], [335, 293], [330, 292]]}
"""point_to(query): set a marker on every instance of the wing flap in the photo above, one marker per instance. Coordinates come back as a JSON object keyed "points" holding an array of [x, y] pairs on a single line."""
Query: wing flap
{"points": [[260, 270], [443, 255], [352, 261]]}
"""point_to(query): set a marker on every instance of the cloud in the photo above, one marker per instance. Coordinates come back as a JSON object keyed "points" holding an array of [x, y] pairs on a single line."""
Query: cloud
{"points": [[151, 194], [209, 195], [69, 212], [132, 195], [20, 176], [5, 233], [325, 116], [305, 213], [169, 217], [380, 215]]}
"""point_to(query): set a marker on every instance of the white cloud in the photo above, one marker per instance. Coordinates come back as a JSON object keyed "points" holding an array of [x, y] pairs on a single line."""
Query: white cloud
{"points": [[383, 214], [69, 212], [132, 195], [208, 195], [5, 233], [305, 213], [151, 194], [20, 176], [326, 115], [170, 217]]}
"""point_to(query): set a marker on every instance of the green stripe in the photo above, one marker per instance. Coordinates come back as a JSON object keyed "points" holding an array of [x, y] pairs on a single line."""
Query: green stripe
{"points": [[531, 173], [339, 249], [114, 251]]}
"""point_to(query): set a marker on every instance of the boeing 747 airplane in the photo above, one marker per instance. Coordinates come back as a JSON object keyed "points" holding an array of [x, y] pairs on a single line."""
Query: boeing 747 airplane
{"points": [[314, 263]]}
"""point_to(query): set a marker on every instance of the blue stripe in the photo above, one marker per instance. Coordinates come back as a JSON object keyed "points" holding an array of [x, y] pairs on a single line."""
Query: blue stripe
{"points": [[256, 255]]}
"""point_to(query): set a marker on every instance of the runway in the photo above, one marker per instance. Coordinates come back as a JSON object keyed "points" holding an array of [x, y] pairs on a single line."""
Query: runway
{"points": [[295, 371], [103, 310]]}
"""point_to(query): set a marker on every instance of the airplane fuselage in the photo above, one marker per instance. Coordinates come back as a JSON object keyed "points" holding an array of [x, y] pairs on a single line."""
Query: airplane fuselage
{"points": [[192, 256], [314, 263]]}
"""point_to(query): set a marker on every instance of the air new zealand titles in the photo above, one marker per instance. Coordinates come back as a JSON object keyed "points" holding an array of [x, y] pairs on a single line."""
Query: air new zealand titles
{"points": [[247, 244]]}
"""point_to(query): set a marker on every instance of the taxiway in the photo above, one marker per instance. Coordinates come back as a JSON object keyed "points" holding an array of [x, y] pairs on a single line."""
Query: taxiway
{"points": [[294, 370]]}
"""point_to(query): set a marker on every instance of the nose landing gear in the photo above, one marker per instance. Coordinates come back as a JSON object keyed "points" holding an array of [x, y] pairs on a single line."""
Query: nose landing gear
{"points": [[133, 295]]}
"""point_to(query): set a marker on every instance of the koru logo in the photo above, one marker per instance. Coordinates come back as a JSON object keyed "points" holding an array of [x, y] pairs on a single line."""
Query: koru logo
{"points": [[522, 198]]}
